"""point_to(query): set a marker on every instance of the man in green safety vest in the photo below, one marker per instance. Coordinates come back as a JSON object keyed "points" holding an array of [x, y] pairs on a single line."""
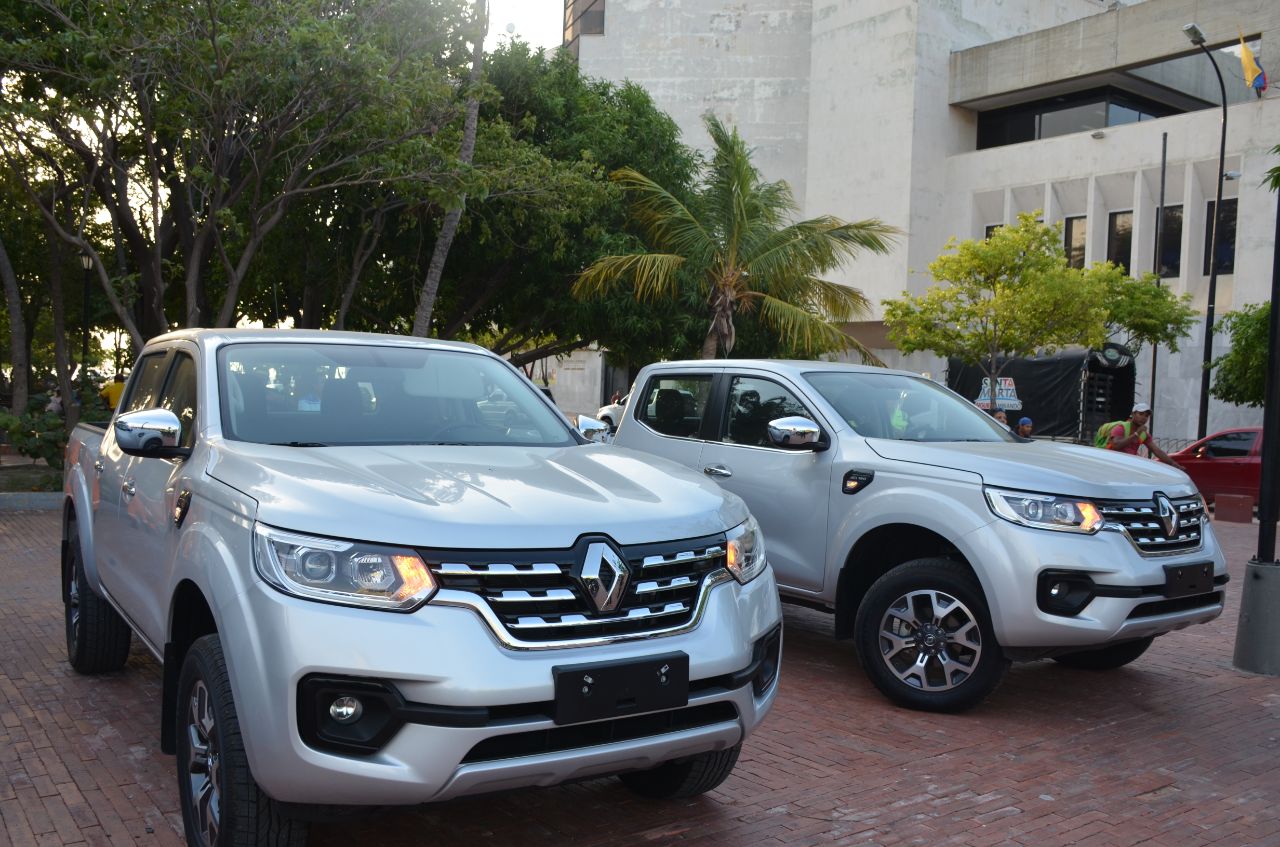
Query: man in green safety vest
{"points": [[1127, 436]]}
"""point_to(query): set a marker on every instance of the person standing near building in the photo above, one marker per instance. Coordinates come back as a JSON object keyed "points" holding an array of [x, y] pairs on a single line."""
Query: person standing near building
{"points": [[1127, 436], [1001, 418], [1025, 425]]}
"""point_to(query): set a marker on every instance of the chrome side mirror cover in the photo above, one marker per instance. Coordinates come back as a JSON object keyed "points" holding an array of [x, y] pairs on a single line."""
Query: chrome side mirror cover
{"points": [[592, 429], [795, 433], [149, 432]]}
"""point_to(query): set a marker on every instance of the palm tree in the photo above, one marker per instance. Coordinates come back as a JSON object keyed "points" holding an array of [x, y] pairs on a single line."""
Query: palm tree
{"points": [[736, 238]]}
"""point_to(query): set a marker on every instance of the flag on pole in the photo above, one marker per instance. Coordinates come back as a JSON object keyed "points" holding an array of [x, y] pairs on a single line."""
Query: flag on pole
{"points": [[1254, 76]]}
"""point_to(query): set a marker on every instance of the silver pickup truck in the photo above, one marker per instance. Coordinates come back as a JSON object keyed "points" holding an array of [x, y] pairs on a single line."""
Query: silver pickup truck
{"points": [[945, 545], [383, 570]]}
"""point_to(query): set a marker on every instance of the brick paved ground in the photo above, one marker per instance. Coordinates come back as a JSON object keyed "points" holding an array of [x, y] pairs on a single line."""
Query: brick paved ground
{"points": [[1178, 749]]}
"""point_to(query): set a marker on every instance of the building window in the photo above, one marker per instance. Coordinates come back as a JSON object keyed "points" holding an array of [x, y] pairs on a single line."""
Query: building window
{"points": [[990, 230], [1080, 112], [1120, 239], [1073, 239], [1226, 237], [582, 17], [1169, 246]]}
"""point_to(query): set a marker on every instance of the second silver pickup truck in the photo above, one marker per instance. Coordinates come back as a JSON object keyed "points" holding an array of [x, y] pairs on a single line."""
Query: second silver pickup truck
{"points": [[945, 545]]}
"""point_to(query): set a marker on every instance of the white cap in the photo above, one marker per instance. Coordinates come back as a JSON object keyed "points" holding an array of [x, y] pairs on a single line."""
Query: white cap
{"points": [[1142, 407]]}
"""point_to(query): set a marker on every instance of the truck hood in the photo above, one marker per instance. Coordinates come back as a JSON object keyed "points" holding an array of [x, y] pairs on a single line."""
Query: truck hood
{"points": [[1067, 469], [475, 497]]}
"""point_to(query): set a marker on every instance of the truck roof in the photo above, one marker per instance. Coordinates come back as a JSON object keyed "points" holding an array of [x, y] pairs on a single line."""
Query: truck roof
{"points": [[783, 366], [209, 337]]}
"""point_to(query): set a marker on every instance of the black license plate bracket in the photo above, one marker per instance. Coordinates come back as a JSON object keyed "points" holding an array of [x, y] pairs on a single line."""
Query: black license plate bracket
{"points": [[1188, 580], [602, 690]]}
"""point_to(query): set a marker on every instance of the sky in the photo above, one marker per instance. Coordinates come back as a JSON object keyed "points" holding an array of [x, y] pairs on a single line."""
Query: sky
{"points": [[535, 21]]}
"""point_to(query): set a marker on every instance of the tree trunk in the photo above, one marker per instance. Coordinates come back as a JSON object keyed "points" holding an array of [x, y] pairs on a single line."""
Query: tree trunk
{"points": [[71, 411], [17, 333], [431, 285]]}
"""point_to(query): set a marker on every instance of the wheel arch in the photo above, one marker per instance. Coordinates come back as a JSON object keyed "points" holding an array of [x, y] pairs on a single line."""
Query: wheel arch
{"points": [[190, 617], [879, 551]]}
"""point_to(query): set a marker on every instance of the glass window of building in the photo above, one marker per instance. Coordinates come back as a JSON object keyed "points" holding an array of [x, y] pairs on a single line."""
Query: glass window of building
{"points": [[1226, 237], [990, 229], [1169, 243], [1120, 239], [1081, 118], [582, 17], [1073, 236]]}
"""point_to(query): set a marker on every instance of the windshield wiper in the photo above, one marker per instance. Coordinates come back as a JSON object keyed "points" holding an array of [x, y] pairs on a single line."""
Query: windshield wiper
{"points": [[298, 444]]}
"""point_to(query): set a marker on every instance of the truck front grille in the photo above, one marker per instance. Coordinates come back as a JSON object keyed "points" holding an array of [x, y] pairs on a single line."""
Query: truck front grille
{"points": [[541, 595], [1146, 527]]}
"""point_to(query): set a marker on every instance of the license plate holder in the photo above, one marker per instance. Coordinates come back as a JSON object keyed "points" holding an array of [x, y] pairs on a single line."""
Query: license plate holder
{"points": [[601, 690], [1188, 580]]}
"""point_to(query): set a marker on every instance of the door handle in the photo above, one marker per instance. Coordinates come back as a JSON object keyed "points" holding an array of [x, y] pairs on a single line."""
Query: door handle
{"points": [[717, 470], [128, 488], [98, 466]]}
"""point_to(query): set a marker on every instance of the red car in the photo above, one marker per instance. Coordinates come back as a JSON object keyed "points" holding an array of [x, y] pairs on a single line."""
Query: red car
{"points": [[1227, 462]]}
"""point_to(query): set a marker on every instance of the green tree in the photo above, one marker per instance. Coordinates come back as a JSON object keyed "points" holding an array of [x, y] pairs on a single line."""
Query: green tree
{"points": [[733, 243], [1141, 311], [1240, 375], [1008, 296]]}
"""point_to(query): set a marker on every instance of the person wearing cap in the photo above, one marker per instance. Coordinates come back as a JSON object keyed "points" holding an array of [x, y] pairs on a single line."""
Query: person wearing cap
{"points": [[1024, 427], [1128, 436]]}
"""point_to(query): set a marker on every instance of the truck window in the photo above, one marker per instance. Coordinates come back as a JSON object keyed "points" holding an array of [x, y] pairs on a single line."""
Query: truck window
{"points": [[752, 404], [148, 376], [324, 394], [179, 396], [904, 408], [674, 404]]}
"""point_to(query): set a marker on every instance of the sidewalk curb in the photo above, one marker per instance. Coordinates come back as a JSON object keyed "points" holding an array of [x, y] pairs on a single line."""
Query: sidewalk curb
{"points": [[25, 501]]}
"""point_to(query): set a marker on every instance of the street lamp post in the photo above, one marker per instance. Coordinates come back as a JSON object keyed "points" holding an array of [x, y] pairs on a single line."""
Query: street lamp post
{"points": [[86, 262], [1196, 37]]}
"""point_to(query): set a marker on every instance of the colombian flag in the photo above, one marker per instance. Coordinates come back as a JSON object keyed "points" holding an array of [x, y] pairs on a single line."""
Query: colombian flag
{"points": [[1254, 76]]}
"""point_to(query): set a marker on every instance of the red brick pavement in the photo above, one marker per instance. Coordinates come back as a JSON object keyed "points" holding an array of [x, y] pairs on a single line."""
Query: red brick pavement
{"points": [[1177, 749]]}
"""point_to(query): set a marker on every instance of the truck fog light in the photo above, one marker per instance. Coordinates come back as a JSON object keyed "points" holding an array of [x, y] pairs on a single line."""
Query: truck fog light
{"points": [[1059, 590], [1064, 593], [346, 710]]}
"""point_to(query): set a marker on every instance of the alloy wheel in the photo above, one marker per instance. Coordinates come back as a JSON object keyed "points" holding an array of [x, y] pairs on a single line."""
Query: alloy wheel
{"points": [[203, 766], [930, 640]]}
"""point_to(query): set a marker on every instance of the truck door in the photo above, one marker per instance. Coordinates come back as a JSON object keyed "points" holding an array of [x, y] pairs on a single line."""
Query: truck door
{"points": [[149, 521], [672, 411], [112, 552], [786, 490]]}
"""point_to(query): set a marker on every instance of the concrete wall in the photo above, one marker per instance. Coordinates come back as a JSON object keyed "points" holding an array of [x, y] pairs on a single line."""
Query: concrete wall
{"points": [[747, 61]]}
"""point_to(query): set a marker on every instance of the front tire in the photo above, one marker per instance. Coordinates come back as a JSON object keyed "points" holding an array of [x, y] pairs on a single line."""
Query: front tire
{"points": [[684, 778], [924, 636], [1106, 658], [97, 637], [221, 804]]}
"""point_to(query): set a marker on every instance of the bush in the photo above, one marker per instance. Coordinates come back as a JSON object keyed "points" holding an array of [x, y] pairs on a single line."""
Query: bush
{"points": [[37, 434]]}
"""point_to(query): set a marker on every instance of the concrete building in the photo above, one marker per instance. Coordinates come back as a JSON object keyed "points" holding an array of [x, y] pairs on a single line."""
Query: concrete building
{"points": [[948, 117]]}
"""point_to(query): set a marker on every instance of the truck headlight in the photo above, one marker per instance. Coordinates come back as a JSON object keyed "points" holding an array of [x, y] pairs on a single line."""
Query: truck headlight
{"points": [[350, 573], [1045, 511], [745, 558]]}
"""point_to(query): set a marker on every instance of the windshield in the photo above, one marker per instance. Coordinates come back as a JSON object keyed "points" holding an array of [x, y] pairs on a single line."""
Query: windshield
{"points": [[317, 395], [904, 408]]}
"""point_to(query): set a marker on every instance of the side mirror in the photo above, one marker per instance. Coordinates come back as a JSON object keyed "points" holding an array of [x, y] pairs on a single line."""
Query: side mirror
{"points": [[150, 432], [796, 433], [592, 429]]}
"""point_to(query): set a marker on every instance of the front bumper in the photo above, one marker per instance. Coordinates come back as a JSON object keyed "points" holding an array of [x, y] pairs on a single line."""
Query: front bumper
{"points": [[449, 658], [1013, 557]]}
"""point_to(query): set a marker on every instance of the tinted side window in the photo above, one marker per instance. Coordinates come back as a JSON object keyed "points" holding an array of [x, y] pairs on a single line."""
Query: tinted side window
{"points": [[179, 396], [674, 405], [1231, 445], [752, 404], [144, 390]]}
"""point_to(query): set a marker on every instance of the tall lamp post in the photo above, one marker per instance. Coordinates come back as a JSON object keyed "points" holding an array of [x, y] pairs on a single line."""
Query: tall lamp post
{"points": [[1196, 37], [86, 262]]}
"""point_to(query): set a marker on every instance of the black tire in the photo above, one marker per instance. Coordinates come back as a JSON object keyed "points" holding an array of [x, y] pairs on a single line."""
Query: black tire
{"points": [[962, 662], [221, 804], [684, 777], [1106, 658], [97, 637]]}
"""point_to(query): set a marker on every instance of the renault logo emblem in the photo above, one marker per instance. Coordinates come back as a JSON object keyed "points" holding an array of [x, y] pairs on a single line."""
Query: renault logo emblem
{"points": [[1168, 516], [604, 575]]}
